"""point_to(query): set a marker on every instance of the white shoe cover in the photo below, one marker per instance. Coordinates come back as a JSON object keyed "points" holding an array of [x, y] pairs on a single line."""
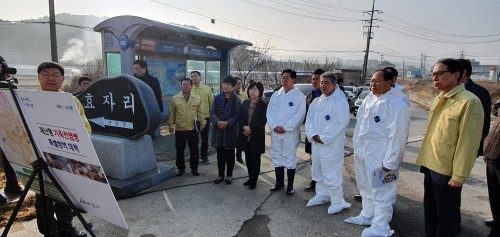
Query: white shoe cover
{"points": [[317, 200], [338, 206], [358, 220], [372, 232]]}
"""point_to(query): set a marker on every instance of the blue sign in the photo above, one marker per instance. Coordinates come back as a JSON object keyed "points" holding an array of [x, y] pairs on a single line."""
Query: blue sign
{"points": [[124, 42], [179, 49]]}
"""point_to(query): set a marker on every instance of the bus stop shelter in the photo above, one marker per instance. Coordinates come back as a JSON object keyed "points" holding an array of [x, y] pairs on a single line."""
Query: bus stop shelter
{"points": [[171, 51]]}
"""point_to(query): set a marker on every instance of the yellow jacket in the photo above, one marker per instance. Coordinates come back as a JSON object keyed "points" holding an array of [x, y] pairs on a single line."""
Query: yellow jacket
{"points": [[182, 113], [206, 97], [453, 134], [243, 96], [81, 110]]}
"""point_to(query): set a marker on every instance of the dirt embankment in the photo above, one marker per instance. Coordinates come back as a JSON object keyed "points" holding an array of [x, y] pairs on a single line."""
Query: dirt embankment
{"points": [[426, 87]]}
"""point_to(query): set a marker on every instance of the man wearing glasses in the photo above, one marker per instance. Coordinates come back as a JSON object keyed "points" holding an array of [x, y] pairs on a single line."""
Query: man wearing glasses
{"points": [[449, 149], [51, 78], [285, 114]]}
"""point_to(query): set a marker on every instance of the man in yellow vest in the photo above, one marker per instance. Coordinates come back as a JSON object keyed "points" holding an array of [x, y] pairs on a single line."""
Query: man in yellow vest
{"points": [[206, 97], [185, 109]]}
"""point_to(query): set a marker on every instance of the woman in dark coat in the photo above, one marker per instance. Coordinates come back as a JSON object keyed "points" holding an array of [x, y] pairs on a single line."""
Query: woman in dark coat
{"points": [[224, 116], [252, 120]]}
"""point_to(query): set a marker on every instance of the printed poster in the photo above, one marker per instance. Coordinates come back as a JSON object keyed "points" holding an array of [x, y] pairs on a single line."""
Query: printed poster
{"points": [[380, 177], [62, 140]]}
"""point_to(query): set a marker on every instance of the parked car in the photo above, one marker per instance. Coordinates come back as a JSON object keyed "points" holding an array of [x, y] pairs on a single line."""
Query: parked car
{"points": [[359, 100], [352, 89], [267, 95], [350, 99], [305, 88]]}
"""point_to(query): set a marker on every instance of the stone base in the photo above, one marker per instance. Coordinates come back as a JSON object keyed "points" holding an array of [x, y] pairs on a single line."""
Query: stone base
{"points": [[124, 158], [127, 187]]}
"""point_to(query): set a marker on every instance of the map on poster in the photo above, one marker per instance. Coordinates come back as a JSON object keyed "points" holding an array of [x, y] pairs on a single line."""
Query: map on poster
{"points": [[15, 141], [62, 140]]}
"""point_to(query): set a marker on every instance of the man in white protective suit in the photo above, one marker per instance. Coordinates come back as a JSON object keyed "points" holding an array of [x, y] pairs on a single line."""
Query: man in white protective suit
{"points": [[379, 143], [326, 124], [285, 113]]}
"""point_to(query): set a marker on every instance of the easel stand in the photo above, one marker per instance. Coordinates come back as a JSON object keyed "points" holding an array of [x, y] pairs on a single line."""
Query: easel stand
{"points": [[39, 166]]}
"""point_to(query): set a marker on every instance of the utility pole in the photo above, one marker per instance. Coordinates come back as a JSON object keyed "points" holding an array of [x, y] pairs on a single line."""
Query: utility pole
{"points": [[53, 38], [404, 74], [461, 55], [369, 36], [422, 64]]}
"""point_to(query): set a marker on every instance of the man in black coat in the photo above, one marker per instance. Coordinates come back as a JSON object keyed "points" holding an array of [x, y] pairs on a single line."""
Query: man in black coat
{"points": [[485, 98], [482, 94], [316, 92], [142, 73]]}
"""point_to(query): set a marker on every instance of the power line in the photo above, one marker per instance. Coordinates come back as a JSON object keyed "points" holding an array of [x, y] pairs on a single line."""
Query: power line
{"points": [[300, 15], [230, 23], [431, 31]]}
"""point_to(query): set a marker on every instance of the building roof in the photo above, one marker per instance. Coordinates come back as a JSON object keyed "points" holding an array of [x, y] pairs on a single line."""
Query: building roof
{"points": [[168, 32]]}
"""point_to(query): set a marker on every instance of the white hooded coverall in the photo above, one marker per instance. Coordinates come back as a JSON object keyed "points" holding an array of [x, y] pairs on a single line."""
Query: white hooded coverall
{"points": [[379, 140], [328, 117], [288, 111]]}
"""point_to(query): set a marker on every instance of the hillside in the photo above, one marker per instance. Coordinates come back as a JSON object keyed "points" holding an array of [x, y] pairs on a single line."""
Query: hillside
{"points": [[29, 42]]}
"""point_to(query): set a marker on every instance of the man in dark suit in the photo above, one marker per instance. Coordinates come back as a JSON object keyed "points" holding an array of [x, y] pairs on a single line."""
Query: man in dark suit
{"points": [[482, 94], [485, 98], [316, 92]]}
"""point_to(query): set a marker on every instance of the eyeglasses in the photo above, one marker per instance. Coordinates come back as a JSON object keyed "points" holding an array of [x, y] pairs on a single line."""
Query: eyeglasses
{"points": [[438, 73], [48, 75]]}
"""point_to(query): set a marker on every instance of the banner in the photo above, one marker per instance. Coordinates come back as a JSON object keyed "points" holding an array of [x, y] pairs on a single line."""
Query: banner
{"points": [[63, 142]]}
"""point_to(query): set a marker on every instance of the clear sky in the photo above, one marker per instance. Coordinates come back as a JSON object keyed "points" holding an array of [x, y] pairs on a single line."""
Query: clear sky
{"points": [[303, 29]]}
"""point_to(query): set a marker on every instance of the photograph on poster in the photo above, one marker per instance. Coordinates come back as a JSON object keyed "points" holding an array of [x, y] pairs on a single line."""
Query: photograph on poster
{"points": [[83, 169]]}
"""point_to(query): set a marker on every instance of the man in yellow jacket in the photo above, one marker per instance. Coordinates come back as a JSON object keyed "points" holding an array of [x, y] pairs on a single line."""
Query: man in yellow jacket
{"points": [[185, 118], [449, 149], [207, 98], [51, 78]]}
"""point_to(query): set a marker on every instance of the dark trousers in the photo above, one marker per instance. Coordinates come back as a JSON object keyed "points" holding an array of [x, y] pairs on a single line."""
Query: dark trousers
{"points": [[225, 156], [63, 215], [239, 152], [493, 178], [253, 166], [10, 174], [441, 205], [180, 144], [204, 140]]}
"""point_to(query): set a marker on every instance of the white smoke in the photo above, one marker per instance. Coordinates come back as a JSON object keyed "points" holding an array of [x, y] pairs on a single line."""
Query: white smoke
{"points": [[80, 51]]}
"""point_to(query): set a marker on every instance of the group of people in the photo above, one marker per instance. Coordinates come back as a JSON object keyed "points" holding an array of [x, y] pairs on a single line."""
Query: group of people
{"points": [[238, 122], [457, 129], [453, 140]]}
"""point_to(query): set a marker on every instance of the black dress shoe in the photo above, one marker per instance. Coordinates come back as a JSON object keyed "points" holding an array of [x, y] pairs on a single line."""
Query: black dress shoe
{"points": [[277, 187], [310, 188], [489, 222], [15, 190], [3, 200], [358, 197], [195, 173], [229, 181], [72, 233], [218, 180], [180, 173], [246, 183], [252, 186]]}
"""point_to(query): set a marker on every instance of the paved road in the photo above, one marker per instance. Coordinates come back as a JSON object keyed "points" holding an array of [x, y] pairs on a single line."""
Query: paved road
{"points": [[194, 206]]}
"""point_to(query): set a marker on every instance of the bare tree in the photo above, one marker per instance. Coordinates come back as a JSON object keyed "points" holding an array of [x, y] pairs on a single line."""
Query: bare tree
{"points": [[92, 69], [249, 62]]}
